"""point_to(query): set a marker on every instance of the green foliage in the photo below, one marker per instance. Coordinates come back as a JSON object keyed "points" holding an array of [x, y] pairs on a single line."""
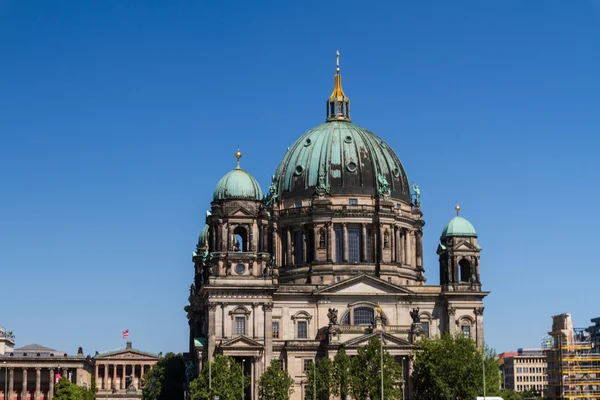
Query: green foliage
{"points": [[341, 375], [450, 368], [165, 380], [66, 390], [324, 379], [275, 383], [365, 373], [226, 380]]}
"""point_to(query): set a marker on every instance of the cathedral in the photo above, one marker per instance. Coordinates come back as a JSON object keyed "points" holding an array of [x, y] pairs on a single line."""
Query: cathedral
{"points": [[329, 257]]}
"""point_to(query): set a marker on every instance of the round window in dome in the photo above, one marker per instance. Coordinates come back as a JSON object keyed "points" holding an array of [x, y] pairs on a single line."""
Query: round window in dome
{"points": [[396, 172], [351, 166], [348, 139], [299, 169], [383, 146], [240, 269], [307, 142]]}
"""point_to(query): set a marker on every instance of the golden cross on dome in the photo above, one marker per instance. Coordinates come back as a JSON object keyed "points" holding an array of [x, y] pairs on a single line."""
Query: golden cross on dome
{"points": [[337, 61]]}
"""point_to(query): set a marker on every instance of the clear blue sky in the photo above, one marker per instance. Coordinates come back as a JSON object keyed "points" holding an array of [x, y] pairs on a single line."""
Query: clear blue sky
{"points": [[118, 118]]}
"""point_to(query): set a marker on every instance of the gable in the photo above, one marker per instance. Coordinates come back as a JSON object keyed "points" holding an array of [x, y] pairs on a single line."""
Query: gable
{"points": [[388, 340], [241, 342], [240, 212], [363, 285], [465, 246], [127, 355]]}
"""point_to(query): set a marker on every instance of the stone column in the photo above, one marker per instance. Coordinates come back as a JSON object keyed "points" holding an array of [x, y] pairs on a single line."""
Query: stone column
{"points": [[122, 381], [254, 305], [398, 245], [223, 306], [419, 248], [96, 374], [65, 372], [288, 257], [363, 244], [406, 247], [316, 242], [11, 382], [304, 247], [330, 244], [51, 388], [24, 388], [268, 309], [345, 242], [451, 320], [38, 372], [392, 244]]}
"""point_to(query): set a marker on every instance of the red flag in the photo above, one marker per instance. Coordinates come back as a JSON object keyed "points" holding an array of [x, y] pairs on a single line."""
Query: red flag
{"points": [[125, 333]]}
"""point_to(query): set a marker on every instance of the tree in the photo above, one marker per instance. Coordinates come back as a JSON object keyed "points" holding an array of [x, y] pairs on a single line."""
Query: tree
{"points": [[165, 380], [226, 380], [341, 375], [365, 373], [451, 367], [323, 369], [275, 384], [65, 390]]}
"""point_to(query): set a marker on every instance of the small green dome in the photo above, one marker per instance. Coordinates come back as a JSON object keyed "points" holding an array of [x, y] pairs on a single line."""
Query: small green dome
{"points": [[237, 185], [203, 238], [459, 226]]}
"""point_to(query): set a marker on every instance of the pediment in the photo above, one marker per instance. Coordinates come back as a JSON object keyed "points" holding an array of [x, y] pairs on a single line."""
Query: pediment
{"points": [[127, 355], [364, 285], [240, 212], [241, 342], [388, 340], [464, 245]]}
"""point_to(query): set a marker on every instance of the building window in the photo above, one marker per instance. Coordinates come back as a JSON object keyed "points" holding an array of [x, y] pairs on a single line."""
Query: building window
{"points": [[240, 325], [338, 278], [276, 329], [298, 253], [307, 365], [363, 316], [353, 202], [298, 204], [425, 325], [466, 331], [302, 329], [354, 245], [338, 245]]}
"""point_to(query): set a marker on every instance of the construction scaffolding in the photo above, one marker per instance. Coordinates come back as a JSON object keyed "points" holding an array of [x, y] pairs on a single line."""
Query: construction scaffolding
{"points": [[573, 363]]}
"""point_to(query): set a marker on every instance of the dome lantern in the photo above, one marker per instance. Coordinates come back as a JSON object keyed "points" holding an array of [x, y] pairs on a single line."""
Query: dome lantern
{"points": [[338, 105]]}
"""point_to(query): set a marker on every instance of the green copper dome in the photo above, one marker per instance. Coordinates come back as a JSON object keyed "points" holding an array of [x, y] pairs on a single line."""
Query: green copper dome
{"points": [[237, 185], [459, 226], [343, 158]]}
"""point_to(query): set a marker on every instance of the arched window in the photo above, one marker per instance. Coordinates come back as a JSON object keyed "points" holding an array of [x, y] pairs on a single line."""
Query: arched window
{"points": [[239, 319], [465, 270], [363, 316], [241, 237]]}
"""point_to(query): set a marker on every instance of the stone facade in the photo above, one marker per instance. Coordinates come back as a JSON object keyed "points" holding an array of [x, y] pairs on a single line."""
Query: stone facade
{"points": [[30, 372], [330, 257], [119, 373]]}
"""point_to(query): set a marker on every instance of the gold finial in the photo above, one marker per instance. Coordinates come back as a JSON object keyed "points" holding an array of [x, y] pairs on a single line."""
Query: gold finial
{"points": [[457, 208], [238, 155], [337, 61]]}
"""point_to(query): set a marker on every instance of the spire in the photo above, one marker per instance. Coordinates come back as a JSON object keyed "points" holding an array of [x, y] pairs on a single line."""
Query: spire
{"points": [[238, 155], [338, 105]]}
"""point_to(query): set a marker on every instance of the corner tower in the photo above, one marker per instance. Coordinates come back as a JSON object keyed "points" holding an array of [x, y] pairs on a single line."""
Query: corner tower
{"points": [[458, 253]]}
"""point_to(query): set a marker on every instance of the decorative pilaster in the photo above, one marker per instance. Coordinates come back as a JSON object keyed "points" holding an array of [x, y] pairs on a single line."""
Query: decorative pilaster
{"points": [[268, 310], [212, 322], [451, 320], [479, 325], [288, 259], [345, 242], [330, 242], [254, 305]]}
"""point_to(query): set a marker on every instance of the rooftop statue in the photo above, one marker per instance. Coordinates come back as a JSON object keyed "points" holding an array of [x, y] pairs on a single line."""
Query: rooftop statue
{"points": [[384, 186], [417, 191]]}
